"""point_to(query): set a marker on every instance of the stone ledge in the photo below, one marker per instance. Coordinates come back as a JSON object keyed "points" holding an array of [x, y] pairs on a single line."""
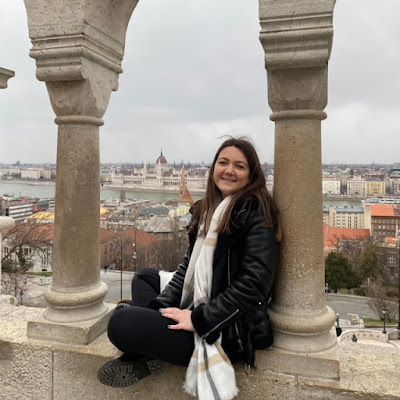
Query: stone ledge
{"points": [[6, 299], [49, 370], [80, 333]]}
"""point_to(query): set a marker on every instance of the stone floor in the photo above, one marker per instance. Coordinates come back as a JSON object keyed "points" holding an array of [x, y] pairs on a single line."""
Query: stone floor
{"points": [[370, 365]]}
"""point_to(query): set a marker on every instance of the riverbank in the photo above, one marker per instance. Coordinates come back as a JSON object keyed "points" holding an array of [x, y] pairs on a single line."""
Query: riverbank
{"points": [[46, 190], [151, 189], [127, 188], [29, 182], [114, 190]]}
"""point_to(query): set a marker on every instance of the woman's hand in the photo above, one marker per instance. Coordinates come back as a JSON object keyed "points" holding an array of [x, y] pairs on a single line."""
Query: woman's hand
{"points": [[182, 317]]}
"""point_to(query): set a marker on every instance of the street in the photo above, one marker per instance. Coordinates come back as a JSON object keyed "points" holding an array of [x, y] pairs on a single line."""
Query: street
{"points": [[341, 304], [344, 304], [113, 281]]}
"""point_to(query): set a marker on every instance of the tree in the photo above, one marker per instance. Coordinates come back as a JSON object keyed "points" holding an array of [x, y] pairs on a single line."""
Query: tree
{"points": [[352, 250], [369, 268], [26, 240], [14, 281], [21, 246], [132, 249], [172, 247], [380, 296], [338, 272], [170, 254]]}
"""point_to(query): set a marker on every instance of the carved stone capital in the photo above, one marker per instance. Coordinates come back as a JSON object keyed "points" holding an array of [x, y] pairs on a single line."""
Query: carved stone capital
{"points": [[5, 75], [297, 40], [78, 47], [83, 101]]}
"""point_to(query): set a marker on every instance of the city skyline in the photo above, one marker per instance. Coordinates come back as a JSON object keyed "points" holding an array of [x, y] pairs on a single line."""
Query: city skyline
{"points": [[188, 81]]}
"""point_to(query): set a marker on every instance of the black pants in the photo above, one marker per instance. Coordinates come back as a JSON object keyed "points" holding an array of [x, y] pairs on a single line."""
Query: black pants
{"points": [[138, 330]]}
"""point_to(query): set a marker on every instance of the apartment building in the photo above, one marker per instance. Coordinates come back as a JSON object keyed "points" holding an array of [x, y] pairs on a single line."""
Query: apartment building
{"points": [[356, 186], [331, 186], [18, 209], [344, 217], [31, 242], [366, 186], [375, 187], [383, 220], [388, 253]]}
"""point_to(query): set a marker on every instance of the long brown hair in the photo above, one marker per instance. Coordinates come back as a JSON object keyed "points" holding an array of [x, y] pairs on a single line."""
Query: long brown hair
{"points": [[256, 188]]}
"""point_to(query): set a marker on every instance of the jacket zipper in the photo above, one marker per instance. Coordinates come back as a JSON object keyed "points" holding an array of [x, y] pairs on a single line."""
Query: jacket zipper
{"points": [[220, 323], [229, 267], [229, 282]]}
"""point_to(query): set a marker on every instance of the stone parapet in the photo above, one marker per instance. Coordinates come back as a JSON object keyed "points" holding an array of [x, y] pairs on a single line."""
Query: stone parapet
{"points": [[38, 369]]}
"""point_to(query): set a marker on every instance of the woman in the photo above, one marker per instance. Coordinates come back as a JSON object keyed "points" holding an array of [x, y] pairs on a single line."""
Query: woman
{"points": [[213, 309]]}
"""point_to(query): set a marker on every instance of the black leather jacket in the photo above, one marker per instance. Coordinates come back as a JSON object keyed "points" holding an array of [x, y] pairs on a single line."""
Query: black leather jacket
{"points": [[244, 268]]}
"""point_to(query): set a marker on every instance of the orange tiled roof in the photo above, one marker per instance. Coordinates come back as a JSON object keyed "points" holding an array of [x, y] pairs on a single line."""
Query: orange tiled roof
{"points": [[30, 231], [106, 235], [383, 210], [141, 238], [333, 235], [391, 240]]}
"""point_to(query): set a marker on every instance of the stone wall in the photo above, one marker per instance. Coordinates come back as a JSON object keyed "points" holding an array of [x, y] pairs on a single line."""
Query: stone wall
{"points": [[43, 370]]}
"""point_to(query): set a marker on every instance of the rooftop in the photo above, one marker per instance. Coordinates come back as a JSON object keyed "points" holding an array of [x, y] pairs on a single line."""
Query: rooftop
{"points": [[384, 210]]}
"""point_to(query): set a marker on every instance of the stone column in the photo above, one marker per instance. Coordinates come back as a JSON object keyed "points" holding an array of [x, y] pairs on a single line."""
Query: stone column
{"points": [[297, 39], [78, 48]]}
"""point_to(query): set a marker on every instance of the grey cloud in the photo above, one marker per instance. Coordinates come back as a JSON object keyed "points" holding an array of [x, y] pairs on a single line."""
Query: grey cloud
{"points": [[194, 70]]}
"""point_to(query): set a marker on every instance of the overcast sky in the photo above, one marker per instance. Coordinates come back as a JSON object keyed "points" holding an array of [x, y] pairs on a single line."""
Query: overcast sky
{"points": [[194, 71]]}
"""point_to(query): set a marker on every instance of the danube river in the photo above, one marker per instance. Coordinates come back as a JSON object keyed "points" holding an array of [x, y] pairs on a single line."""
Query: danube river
{"points": [[47, 190]]}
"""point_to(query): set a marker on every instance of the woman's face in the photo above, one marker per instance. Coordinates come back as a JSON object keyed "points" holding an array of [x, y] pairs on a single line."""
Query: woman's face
{"points": [[231, 171]]}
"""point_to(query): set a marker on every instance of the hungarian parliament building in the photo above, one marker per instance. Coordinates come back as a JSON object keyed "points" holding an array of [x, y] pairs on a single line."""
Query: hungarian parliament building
{"points": [[160, 176]]}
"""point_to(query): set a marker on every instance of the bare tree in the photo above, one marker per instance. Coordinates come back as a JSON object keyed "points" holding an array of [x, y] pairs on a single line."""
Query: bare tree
{"points": [[380, 296], [171, 250], [352, 249], [21, 245]]}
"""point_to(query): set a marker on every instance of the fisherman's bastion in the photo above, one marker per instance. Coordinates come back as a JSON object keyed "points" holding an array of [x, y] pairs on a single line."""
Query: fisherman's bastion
{"points": [[54, 353]]}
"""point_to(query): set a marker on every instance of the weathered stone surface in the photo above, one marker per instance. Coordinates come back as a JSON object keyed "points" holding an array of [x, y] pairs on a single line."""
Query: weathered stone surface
{"points": [[7, 299], [297, 40], [78, 47], [5, 75], [81, 333], [31, 370]]}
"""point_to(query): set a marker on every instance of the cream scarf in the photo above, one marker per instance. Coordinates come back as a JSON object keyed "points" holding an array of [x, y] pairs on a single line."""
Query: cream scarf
{"points": [[210, 374]]}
